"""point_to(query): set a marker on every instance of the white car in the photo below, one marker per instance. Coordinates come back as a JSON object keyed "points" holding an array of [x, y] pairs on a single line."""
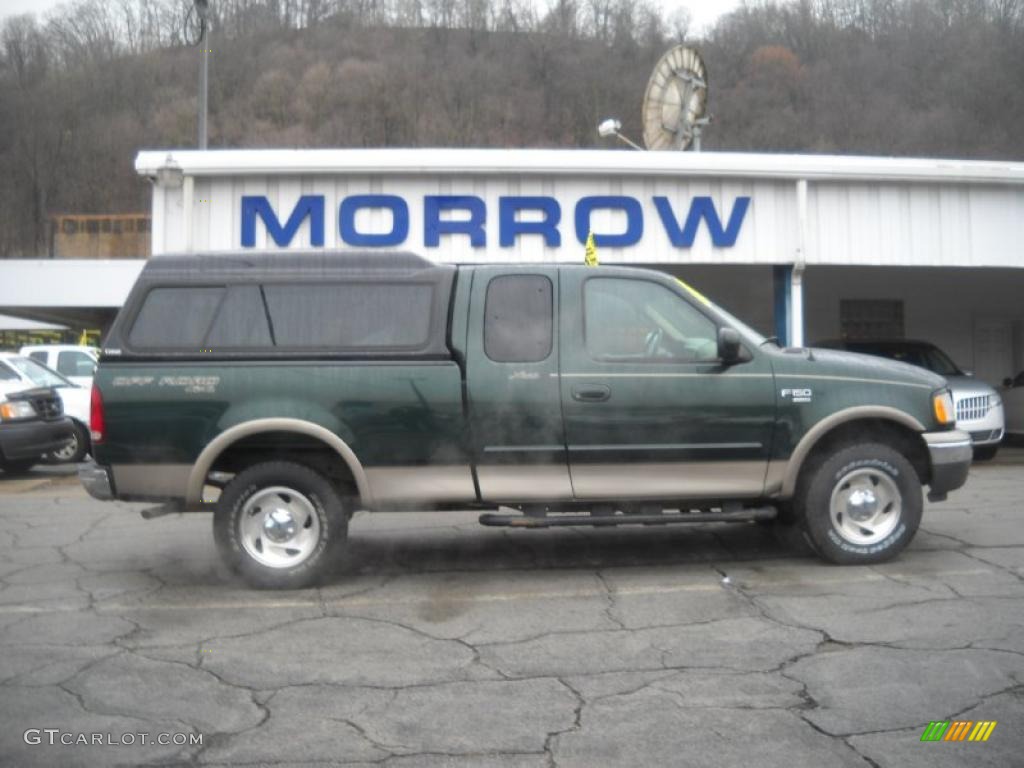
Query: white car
{"points": [[34, 374], [1013, 404], [71, 361]]}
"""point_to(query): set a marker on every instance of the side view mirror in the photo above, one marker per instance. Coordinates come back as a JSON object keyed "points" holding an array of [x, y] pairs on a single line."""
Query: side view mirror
{"points": [[729, 345]]}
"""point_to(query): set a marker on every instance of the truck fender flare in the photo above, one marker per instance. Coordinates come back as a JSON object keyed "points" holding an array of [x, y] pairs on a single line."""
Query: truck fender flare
{"points": [[791, 468], [197, 476]]}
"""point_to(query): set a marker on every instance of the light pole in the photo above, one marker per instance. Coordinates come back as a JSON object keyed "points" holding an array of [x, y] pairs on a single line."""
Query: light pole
{"points": [[203, 10]]}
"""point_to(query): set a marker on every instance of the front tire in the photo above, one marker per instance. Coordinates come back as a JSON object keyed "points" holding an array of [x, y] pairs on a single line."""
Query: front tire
{"points": [[76, 448], [861, 504], [281, 525]]}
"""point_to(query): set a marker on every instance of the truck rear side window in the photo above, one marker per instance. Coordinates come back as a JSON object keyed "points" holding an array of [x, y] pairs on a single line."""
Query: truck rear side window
{"points": [[175, 318], [351, 316], [518, 319]]}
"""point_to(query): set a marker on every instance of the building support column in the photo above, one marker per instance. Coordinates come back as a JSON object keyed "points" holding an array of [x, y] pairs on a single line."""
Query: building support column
{"points": [[782, 277], [788, 281], [796, 313], [796, 328]]}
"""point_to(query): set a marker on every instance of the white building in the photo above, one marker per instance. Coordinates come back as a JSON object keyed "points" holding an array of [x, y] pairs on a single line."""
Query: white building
{"points": [[808, 247]]}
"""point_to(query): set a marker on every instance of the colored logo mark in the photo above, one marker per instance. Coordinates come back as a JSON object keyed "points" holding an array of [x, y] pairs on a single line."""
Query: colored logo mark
{"points": [[958, 730]]}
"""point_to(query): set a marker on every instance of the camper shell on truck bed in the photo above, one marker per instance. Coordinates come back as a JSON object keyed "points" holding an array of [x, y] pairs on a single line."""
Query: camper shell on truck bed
{"points": [[246, 306], [284, 391]]}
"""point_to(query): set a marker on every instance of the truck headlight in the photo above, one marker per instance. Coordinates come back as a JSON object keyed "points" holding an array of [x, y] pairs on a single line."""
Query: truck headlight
{"points": [[18, 409], [942, 406]]}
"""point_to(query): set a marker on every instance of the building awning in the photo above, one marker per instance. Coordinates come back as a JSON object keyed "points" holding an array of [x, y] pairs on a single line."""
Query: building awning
{"points": [[8, 323]]}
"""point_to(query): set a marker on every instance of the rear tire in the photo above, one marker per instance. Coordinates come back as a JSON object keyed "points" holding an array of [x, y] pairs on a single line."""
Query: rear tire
{"points": [[986, 452], [861, 504], [281, 525]]}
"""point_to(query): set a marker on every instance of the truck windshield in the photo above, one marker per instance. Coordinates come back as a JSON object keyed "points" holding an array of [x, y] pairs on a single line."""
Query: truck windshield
{"points": [[728, 317], [39, 374]]}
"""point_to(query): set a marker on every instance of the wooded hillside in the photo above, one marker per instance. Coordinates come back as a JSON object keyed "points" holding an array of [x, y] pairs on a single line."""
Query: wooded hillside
{"points": [[81, 90]]}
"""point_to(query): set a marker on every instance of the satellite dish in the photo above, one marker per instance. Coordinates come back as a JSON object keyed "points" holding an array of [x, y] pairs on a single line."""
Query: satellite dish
{"points": [[677, 94]]}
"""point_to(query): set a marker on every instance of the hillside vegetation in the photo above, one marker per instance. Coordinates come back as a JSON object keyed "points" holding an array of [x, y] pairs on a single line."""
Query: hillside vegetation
{"points": [[82, 89]]}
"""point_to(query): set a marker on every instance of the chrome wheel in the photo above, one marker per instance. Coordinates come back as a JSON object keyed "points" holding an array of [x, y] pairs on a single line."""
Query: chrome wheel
{"points": [[279, 527], [865, 506], [69, 451]]}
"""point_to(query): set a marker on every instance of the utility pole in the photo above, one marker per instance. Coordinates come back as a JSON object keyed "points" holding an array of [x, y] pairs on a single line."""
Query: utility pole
{"points": [[203, 9]]}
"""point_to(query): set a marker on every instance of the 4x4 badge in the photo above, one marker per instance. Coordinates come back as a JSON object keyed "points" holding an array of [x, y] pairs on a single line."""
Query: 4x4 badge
{"points": [[798, 395]]}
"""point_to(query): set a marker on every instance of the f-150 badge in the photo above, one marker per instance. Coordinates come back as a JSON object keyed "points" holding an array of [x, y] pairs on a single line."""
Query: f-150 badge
{"points": [[798, 395]]}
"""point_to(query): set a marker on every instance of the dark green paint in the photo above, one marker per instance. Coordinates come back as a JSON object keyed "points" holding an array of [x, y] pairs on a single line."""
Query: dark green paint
{"points": [[450, 412]]}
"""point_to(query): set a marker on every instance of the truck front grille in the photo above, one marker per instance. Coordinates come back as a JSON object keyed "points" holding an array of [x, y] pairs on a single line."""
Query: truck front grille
{"points": [[48, 406], [972, 408]]}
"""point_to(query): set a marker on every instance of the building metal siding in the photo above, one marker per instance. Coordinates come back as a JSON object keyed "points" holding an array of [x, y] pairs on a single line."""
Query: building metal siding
{"points": [[861, 211]]}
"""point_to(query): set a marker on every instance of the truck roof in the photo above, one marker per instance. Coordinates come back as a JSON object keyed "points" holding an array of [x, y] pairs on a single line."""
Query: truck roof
{"points": [[179, 267]]}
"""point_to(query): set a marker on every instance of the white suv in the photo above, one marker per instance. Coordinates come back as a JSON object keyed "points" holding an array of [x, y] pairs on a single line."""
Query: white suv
{"points": [[979, 409], [72, 361]]}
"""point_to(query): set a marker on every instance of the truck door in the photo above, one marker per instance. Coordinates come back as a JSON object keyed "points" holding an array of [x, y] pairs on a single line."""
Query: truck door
{"points": [[513, 384], [649, 410]]}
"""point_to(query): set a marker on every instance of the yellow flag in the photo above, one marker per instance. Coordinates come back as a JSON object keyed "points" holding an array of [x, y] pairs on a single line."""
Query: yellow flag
{"points": [[591, 255]]}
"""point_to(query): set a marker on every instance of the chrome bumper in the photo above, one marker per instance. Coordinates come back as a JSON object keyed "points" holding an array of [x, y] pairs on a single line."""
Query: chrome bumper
{"points": [[951, 456], [96, 480]]}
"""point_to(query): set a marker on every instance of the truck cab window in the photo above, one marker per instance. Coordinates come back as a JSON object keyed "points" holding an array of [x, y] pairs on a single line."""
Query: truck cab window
{"points": [[518, 319], [637, 321]]}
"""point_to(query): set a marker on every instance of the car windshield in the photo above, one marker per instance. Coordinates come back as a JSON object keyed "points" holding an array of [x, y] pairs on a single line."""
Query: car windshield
{"points": [[921, 355], [38, 373]]}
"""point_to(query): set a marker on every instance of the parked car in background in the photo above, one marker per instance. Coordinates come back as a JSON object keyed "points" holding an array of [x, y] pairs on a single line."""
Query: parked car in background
{"points": [[1013, 402], [74, 399], [979, 408], [72, 361], [32, 422]]}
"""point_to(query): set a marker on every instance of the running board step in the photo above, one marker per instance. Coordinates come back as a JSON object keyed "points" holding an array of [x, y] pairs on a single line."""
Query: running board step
{"points": [[557, 521]]}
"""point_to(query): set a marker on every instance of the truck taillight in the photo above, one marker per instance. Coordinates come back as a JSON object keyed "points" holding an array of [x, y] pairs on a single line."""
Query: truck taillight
{"points": [[97, 426]]}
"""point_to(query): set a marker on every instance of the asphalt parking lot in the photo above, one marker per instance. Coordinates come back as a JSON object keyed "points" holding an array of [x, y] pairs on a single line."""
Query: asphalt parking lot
{"points": [[448, 644]]}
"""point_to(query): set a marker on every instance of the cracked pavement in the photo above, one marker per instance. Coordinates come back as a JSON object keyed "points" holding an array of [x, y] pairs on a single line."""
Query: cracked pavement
{"points": [[443, 643]]}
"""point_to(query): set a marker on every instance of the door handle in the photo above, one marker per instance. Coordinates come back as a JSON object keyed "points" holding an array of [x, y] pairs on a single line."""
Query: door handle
{"points": [[595, 393]]}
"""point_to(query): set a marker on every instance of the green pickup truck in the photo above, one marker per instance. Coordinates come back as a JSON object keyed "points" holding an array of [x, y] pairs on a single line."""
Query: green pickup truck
{"points": [[285, 391]]}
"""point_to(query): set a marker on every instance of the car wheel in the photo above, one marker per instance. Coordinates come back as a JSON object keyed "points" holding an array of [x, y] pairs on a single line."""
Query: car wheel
{"points": [[16, 466], [281, 525], [75, 449], [986, 452], [861, 504]]}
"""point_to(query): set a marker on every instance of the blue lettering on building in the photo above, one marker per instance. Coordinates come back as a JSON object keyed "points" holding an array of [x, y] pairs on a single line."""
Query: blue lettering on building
{"points": [[399, 220], [628, 205], [510, 227], [309, 206], [702, 208], [434, 226], [466, 216]]}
